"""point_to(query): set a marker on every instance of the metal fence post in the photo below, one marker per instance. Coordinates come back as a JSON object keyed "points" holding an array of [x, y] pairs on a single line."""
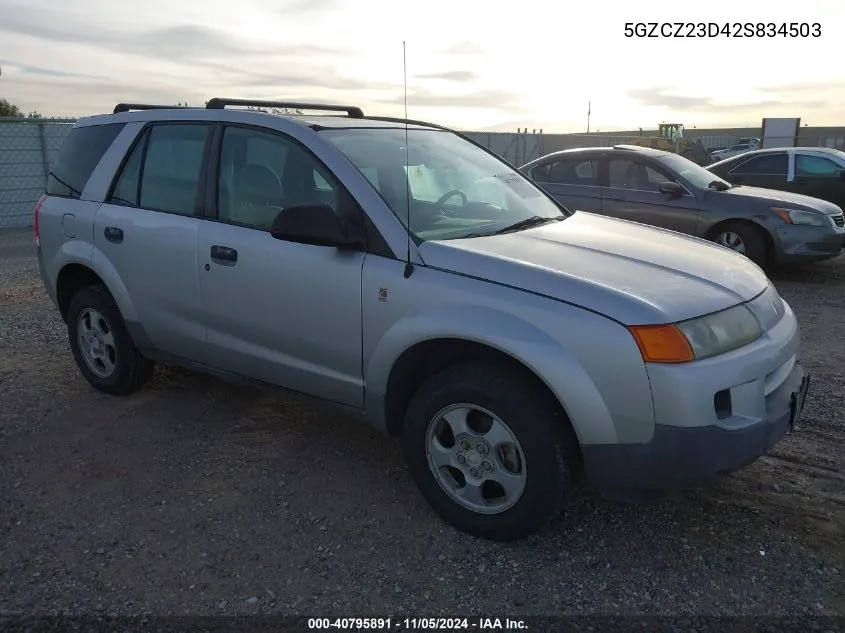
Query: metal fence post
{"points": [[45, 162]]}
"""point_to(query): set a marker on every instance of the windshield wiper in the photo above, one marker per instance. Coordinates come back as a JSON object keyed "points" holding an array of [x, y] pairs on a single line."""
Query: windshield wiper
{"points": [[534, 220]]}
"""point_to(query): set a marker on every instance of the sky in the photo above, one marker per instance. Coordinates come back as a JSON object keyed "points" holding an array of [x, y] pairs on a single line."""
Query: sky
{"points": [[471, 64]]}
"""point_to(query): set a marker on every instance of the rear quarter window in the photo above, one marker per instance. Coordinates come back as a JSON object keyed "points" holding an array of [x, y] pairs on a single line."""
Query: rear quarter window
{"points": [[79, 155]]}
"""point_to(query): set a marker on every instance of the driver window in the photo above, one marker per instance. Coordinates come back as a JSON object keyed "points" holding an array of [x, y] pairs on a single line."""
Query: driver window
{"points": [[624, 173], [261, 174], [806, 165]]}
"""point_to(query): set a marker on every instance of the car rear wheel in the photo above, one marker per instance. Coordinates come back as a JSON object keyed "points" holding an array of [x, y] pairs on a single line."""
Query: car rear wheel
{"points": [[743, 239], [101, 345], [485, 447]]}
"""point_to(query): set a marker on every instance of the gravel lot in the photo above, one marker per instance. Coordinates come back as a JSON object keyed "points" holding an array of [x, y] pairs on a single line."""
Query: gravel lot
{"points": [[198, 497]]}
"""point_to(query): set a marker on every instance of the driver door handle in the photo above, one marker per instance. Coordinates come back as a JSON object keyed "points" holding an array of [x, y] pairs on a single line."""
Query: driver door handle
{"points": [[223, 254]]}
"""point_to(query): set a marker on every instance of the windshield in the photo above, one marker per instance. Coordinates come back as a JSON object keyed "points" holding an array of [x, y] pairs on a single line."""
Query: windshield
{"points": [[456, 188], [838, 156], [694, 174]]}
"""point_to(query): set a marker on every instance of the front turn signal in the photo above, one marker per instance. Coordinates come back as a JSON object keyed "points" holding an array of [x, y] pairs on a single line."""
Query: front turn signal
{"points": [[662, 343]]}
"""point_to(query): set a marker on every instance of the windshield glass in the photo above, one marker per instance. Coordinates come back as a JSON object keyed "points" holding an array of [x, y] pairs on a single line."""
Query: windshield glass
{"points": [[695, 174], [457, 189], [838, 156]]}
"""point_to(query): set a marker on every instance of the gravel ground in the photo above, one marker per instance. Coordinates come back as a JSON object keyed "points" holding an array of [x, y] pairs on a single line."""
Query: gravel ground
{"points": [[198, 497]]}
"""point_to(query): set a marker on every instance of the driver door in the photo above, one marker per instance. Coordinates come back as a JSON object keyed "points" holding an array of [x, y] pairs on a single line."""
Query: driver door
{"points": [[633, 193], [284, 313]]}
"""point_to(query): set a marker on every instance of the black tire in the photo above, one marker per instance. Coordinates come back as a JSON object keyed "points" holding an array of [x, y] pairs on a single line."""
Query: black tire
{"points": [[131, 369], [536, 421], [751, 236]]}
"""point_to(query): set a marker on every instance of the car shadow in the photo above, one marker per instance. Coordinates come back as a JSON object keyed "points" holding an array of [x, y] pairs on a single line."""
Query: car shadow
{"points": [[828, 273]]}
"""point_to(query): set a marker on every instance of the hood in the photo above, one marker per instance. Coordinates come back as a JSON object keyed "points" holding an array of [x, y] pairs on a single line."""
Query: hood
{"points": [[631, 272], [775, 197]]}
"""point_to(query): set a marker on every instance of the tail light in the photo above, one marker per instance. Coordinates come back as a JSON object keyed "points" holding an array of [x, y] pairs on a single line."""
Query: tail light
{"points": [[35, 219]]}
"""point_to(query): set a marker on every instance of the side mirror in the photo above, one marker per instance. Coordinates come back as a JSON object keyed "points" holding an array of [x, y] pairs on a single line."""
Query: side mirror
{"points": [[671, 189], [842, 174], [315, 224]]}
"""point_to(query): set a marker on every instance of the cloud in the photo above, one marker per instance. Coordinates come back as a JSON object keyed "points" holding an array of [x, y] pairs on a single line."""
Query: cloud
{"points": [[299, 8], [206, 61], [660, 96], [463, 48], [482, 99], [452, 75], [27, 69], [821, 87], [188, 42]]}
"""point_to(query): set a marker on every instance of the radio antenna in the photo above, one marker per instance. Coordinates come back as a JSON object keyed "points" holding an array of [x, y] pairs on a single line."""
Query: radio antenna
{"points": [[409, 268]]}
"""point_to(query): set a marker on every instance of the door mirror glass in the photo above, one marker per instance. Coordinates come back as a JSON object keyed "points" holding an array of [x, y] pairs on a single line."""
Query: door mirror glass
{"points": [[315, 224], [671, 189]]}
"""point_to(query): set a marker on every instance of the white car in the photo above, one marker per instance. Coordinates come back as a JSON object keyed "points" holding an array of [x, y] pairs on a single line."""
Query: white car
{"points": [[736, 150]]}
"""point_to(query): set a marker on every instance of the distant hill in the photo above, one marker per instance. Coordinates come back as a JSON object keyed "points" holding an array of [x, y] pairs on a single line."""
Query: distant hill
{"points": [[559, 127]]}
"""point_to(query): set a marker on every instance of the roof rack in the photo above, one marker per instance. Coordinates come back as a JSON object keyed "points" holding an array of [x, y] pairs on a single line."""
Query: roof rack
{"points": [[393, 119], [127, 107], [219, 103]]}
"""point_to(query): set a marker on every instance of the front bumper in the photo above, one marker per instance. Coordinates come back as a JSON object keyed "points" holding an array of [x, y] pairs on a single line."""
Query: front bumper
{"points": [[796, 244], [685, 457], [712, 416]]}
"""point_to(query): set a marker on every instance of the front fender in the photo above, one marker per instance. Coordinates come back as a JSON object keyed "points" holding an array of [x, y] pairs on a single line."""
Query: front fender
{"points": [[507, 333]]}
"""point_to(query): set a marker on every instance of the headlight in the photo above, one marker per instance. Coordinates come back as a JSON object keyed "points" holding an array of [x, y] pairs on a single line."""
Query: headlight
{"points": [[794, 216], [697, 338], [721, 332]]}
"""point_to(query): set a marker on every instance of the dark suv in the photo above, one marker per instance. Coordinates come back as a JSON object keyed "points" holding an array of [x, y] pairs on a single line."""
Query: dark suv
{"points": [[667, 190]]}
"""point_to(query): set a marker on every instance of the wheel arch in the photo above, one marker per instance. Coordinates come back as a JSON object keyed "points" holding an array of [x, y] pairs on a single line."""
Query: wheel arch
{"points": [[768, 242], [75, 274], [71, 278], [424, 359]]}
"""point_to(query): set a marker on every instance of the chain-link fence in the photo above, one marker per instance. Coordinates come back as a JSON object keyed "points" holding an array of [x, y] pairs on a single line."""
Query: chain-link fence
{"points": [[517, 148], [28, 148]]}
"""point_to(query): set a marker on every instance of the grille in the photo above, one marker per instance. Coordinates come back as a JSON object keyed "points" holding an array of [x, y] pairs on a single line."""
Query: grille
{"points": [[839, 221]]}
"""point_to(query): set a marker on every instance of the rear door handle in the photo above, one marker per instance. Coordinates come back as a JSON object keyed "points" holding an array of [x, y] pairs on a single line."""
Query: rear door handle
{"points": [[113, 234], [223, 254]]}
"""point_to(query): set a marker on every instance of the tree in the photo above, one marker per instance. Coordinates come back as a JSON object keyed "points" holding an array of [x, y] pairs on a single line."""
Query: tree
{"points": [[8, 109]]}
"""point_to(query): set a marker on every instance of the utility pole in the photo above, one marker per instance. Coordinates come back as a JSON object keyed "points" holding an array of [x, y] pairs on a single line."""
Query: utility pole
{"points": [[588, 116]]}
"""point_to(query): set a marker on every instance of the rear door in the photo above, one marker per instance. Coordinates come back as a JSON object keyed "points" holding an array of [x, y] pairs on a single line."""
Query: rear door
{"points": [[818, 176], [147, 230], [765, 170], [574, 182], [633, 193]]}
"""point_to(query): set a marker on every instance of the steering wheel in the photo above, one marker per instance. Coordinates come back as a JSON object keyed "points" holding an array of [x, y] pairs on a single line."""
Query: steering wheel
{"points": [[449, 194]]}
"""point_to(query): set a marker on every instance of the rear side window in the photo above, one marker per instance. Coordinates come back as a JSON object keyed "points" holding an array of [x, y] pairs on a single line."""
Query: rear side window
{"points": [[575, 172], [163, 171], [79, 155]]}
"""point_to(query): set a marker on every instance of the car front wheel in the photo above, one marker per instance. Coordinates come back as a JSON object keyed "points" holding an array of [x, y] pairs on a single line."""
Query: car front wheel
{"points": [[744, 239], [485, 447]]}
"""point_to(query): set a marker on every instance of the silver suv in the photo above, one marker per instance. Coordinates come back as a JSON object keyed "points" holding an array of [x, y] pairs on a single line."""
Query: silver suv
{"points": [[407, 275]]}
